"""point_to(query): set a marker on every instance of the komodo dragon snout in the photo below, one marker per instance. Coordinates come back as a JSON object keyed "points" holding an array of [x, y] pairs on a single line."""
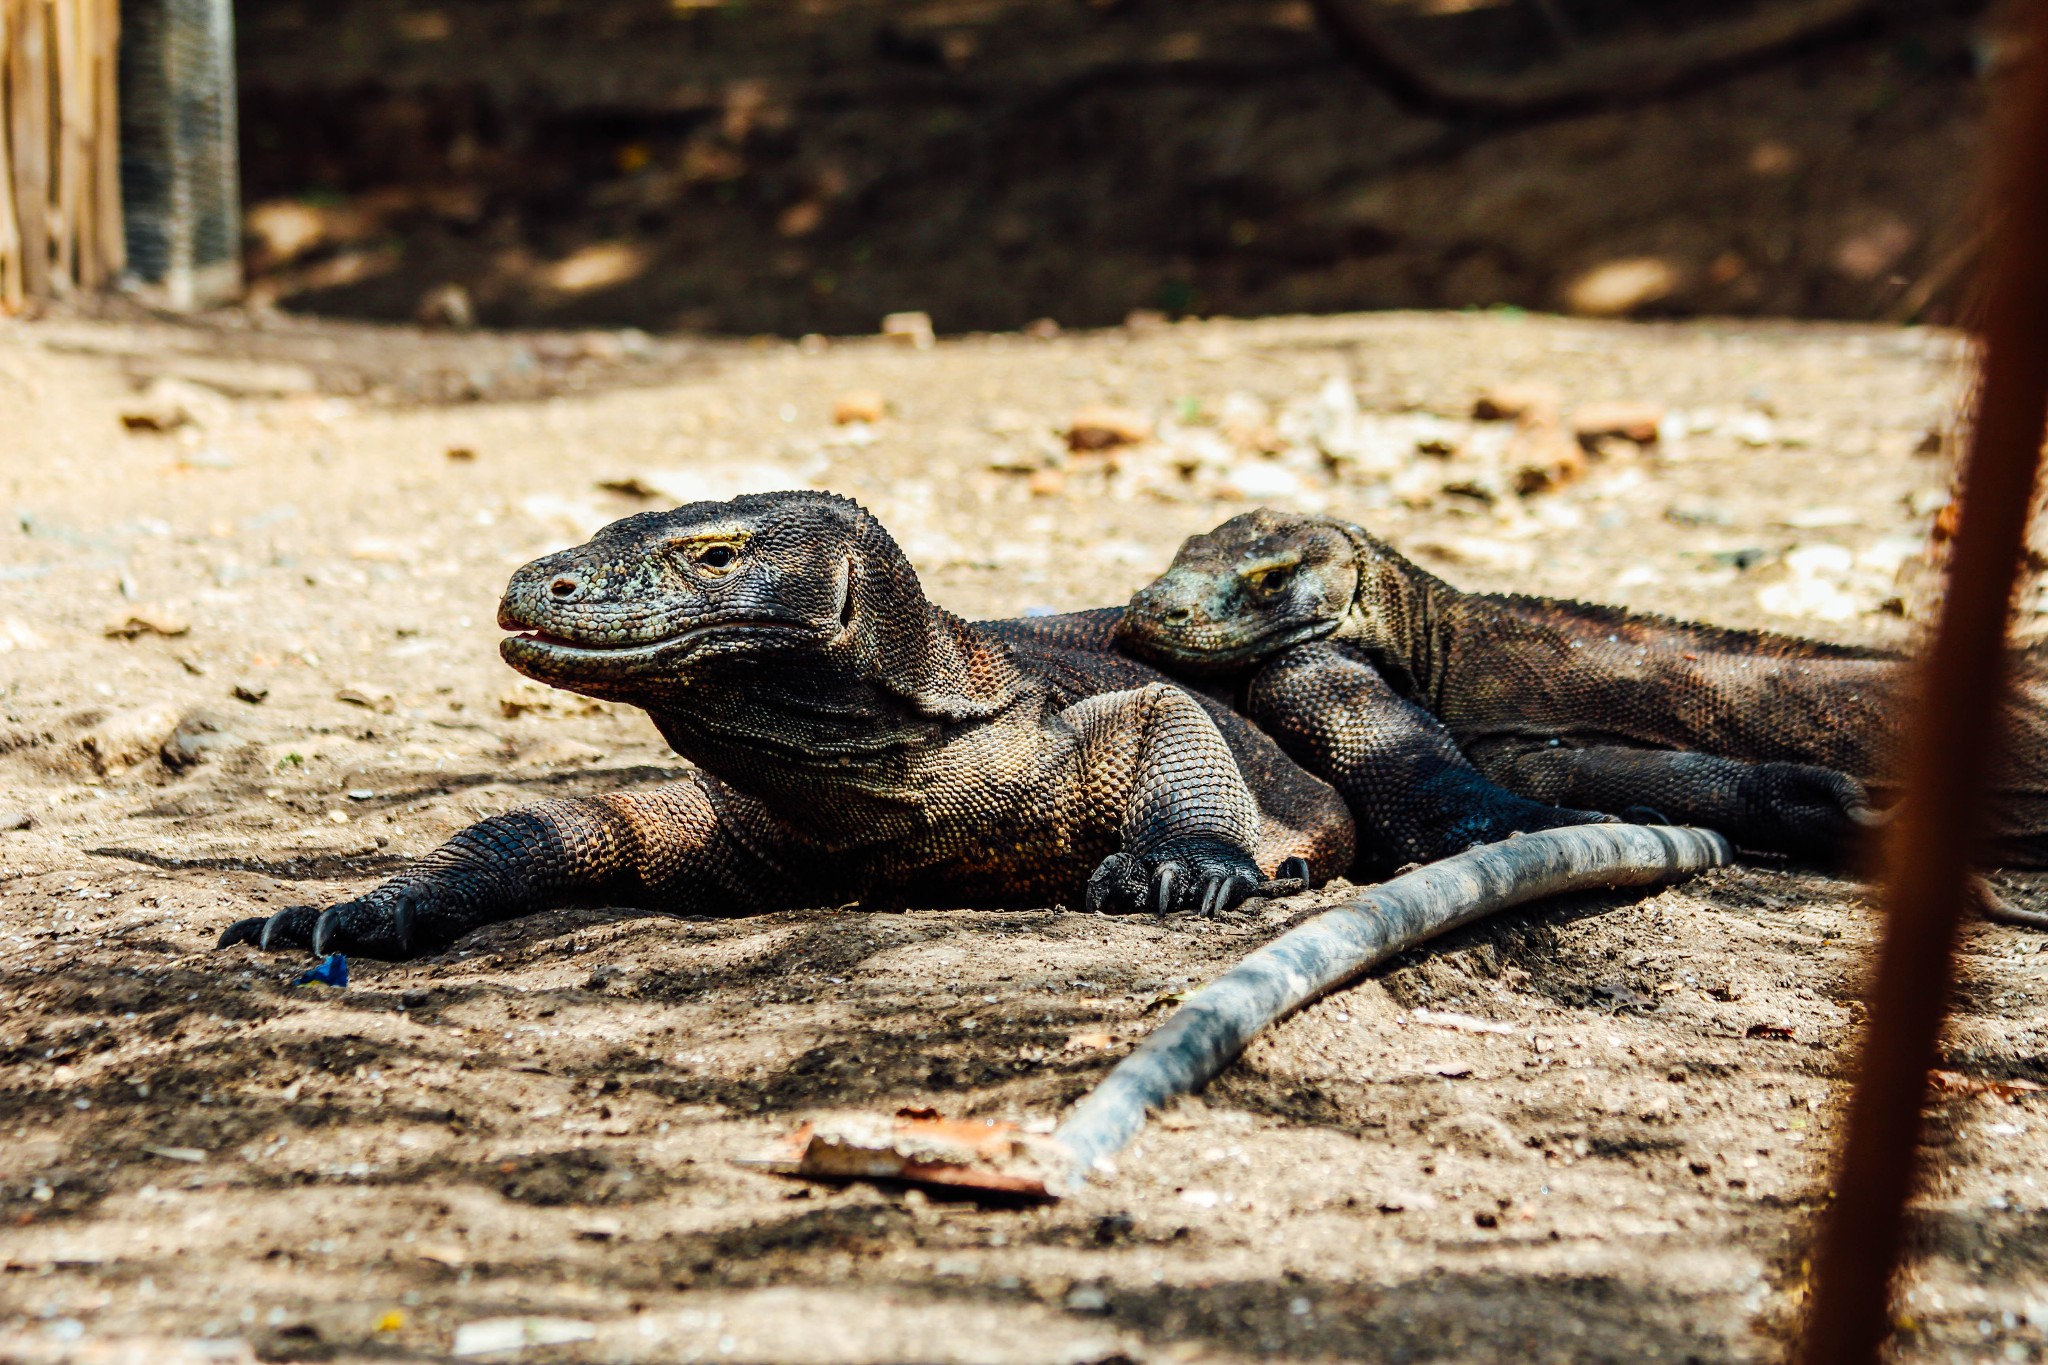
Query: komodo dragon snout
{"points": [[655, 596]]}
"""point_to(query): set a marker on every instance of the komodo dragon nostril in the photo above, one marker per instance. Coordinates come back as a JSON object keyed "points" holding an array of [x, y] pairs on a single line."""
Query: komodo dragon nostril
{"points": [[564, 587], [1179, 616]]}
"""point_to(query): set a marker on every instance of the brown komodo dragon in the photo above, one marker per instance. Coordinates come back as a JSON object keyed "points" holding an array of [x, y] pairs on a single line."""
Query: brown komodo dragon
{"points": [[1381, 676], [854, 741]]}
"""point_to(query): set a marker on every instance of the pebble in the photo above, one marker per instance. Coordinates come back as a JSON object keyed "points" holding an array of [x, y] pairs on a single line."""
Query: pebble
{"points": [[11, 820], [1617, 288], [1637, 422], [1510, 402], [910, 329], [859, 405], [1098, 427]]}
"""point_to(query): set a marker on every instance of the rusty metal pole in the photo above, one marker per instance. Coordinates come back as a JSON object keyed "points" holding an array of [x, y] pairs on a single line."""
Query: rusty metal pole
{"points": [[1955, 738]]}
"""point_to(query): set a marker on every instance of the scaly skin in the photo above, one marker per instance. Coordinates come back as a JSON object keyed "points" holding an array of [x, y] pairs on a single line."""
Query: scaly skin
{"points": [[854, 741], [1771, 739]]}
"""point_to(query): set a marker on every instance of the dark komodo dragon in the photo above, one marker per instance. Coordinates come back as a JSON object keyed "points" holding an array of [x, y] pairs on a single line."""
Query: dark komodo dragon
{"points": [[1374, 672], [854, 741]]}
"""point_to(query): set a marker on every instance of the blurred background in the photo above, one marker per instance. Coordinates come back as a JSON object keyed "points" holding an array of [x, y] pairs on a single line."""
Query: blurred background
{"points": [[788, 166]]}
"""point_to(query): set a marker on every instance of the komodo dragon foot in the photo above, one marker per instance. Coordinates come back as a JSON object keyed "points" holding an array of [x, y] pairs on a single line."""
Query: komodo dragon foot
{"points": [[1202, 875]]}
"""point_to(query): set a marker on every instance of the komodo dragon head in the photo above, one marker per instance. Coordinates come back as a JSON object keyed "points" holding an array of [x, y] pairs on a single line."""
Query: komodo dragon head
{"points": [[1267, 580], [790, 617]]}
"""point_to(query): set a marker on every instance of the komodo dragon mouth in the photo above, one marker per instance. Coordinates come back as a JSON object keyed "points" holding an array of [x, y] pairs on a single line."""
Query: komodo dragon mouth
{"points": [[1159, 641], [531, 645]]}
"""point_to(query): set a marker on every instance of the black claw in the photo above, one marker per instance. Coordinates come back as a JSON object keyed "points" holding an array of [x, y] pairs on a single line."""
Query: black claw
{"points": [[1647, 815], [1164, 883], [1293, 870], [323, 931], [1216, 896], [291, 927], [249, 931]]}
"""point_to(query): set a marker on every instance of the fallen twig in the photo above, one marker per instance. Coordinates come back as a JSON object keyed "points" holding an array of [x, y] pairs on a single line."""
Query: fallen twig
{"points": [[1207, 1032]]}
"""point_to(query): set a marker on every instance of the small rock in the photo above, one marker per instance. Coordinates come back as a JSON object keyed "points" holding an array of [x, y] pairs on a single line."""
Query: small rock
{"points": [[369, 696], [1510, 402], [461, 454], [1096, 427], [1087, 1298], [252, 695], [1543, 456], [1042, 329], [446, 305], [16, 633], [1048, 483], [200, 734], [1617, 288], [126, 738], [1637, 422], [11, 820], [859, 405], [140, 619], [910, 329]]}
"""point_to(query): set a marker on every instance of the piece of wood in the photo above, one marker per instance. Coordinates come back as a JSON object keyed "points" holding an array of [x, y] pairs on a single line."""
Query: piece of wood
{"points": [[1207, 1032]]}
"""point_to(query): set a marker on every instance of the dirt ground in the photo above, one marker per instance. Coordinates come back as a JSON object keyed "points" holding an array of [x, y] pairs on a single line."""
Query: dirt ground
{"points": [[1622, 1163]]}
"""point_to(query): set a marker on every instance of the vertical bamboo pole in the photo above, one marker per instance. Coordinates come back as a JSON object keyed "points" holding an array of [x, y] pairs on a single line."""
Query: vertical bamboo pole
{"points": [[67, 193], [111, 256], [1954, 740], [28, 79], [12, 291]]}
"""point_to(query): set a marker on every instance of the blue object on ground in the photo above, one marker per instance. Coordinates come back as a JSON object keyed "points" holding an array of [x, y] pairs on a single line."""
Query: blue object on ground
{"points": [[332, 971]]}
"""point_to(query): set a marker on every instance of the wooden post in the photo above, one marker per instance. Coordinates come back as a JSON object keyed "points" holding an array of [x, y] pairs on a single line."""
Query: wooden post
{"points": [[60, 216]]}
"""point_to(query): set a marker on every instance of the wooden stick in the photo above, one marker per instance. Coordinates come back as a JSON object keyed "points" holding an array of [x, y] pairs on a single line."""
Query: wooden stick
{"points": [[1955, 738], [1207, 1032]]}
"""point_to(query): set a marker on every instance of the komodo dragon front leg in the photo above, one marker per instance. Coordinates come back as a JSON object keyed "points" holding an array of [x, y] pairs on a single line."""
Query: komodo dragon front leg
{"points": [[1415, 795], [670, 848], [1192, 835]]}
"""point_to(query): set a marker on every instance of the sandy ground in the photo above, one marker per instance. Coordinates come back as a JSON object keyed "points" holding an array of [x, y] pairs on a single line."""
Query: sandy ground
{"points": [[545, 1121]]}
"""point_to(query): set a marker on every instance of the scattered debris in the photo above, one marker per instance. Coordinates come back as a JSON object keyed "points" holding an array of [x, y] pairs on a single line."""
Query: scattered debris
{"points": [[1640, 423], [1096, 427], [492, 1335], [1462, 1023], [1956, 1083], [125, 738], [369, 696], [200, 735], [1617, 288], [910, 329], [332, 971], [917, 1147], [1511, 402], [191, 1154], [139, 619], [16, 633], [11, 820], [859, 405], [1777, 1032], [252, 695]]}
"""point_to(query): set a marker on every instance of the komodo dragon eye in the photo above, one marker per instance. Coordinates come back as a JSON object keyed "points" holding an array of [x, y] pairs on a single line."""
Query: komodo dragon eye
{"points": [[1270, 579], [714, 557]]}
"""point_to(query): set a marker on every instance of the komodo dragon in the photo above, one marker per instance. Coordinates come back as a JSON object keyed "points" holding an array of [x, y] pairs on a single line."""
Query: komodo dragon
{"points": [[854, 742], [1352, 651]]}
